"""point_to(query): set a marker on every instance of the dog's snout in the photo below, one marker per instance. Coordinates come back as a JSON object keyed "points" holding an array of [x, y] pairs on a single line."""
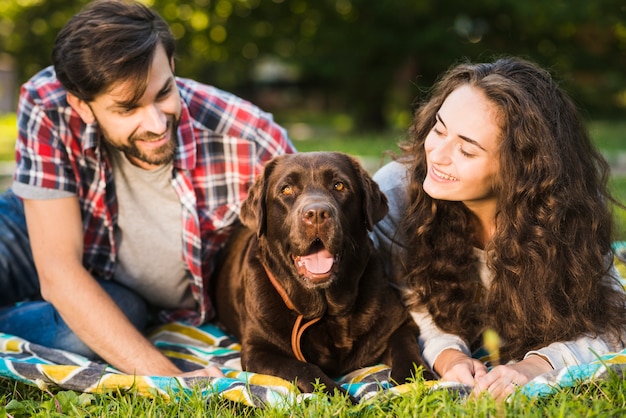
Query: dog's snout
{"points": [[316, 214]]}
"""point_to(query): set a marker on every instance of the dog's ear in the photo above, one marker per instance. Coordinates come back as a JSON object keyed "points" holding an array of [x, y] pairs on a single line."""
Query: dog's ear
{"points": [[253, 214], [375, 205]]}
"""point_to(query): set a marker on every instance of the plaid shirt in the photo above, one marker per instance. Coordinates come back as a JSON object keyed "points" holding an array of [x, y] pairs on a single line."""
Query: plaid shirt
{"points": [[223, 143]]}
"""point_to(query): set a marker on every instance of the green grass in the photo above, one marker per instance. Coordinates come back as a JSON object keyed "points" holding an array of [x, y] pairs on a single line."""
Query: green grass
{"points": [[618, 188], [610, 136], [8, 133], [601, 398], [372, 145]]}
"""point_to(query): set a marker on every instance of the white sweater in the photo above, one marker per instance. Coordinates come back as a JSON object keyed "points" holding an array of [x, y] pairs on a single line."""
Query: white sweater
{"points": [[393, 180]]}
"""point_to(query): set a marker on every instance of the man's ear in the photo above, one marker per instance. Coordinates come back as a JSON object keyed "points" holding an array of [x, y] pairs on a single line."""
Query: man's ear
{"points": [[82, 108]]}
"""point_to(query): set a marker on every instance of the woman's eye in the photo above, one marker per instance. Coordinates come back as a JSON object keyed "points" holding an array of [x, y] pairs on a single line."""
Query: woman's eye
{"points": [[339, 186], [287, 190]]}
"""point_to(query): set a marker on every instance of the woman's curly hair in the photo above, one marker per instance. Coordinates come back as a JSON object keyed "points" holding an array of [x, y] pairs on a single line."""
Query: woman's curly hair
{"points": [[551, 249]]}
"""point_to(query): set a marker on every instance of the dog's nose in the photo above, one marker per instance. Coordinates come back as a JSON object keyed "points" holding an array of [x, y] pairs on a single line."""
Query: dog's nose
{"points": [[316, 214]]}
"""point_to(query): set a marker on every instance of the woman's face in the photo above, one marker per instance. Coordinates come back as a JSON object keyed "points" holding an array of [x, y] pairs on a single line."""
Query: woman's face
{"points": [[462, 150]]}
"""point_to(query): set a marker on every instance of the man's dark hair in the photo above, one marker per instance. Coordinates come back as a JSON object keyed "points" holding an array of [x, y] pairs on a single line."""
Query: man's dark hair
{"points": [[109, 42]]}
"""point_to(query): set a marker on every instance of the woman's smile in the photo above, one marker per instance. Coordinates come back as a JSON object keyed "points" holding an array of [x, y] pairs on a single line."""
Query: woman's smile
{"points": [[442, 176]]}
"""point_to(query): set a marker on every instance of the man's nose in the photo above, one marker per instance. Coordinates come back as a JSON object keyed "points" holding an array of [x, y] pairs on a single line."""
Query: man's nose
{"points": [[155, 120]]}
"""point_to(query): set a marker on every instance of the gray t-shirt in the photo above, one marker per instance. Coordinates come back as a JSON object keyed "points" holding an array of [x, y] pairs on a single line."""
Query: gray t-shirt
{"points": [[149, 234]]}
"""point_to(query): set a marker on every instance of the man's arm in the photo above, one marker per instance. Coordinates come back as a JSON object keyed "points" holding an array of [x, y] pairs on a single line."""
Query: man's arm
{"points": [[56, 237]]}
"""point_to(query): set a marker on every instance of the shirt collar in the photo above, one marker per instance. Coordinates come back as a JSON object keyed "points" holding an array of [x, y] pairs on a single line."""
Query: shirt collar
{"points": [[186, 150], [91, 135]]}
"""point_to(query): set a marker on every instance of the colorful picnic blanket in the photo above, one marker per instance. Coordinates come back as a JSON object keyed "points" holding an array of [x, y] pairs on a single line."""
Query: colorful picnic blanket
{"points": [[191, 347], [194, 347]]}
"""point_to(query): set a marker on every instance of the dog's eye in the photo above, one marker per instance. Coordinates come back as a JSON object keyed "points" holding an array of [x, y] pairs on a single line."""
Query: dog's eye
{"points": [[287, 190], [339, 186]]}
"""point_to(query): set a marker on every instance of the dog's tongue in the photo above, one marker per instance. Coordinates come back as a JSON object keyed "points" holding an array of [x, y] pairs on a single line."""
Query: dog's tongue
{"points": [[317, 263]]}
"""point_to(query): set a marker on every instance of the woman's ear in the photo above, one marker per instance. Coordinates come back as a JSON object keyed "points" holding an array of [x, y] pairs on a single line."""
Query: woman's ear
{"points": [[82, 108]]}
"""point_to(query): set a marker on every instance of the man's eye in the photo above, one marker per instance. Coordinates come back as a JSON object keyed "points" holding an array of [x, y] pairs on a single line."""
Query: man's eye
{"points": [[126, 110], [164, 93]]}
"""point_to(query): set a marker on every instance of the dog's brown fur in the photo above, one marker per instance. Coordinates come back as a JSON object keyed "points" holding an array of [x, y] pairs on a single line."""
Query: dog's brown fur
{"points": [[299, 205]]}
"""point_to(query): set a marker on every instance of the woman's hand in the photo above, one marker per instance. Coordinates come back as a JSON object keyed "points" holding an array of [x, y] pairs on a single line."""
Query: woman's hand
{"points": [[501, 381], [453, 365]]}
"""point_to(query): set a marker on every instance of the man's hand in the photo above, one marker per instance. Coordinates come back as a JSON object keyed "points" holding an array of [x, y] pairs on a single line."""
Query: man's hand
{"points": [[211, 371], [56, 235]]}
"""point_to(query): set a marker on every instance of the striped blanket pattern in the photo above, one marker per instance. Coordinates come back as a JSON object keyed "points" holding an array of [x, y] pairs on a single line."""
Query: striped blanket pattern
{"points": [[194, 347], [191, 347]]}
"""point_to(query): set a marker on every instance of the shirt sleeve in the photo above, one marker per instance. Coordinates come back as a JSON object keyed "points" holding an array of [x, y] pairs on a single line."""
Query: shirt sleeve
{"points": [[581, 351], [272, 138], [433, 340], [41, 156], [392, 180]]}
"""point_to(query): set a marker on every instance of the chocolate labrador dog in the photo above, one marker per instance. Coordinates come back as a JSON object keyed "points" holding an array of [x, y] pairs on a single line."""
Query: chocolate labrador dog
{"points": [[301, 286]]}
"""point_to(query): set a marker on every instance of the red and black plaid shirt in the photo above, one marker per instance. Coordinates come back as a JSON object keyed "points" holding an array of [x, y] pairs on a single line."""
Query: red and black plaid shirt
{"points": [[223, 143]]}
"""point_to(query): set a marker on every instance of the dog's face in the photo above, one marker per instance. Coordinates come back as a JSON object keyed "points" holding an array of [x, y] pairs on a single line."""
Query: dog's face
{"points": [[314, 209]]}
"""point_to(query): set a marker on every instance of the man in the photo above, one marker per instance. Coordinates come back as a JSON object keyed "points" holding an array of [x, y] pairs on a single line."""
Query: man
{"points": [[130, 179]]}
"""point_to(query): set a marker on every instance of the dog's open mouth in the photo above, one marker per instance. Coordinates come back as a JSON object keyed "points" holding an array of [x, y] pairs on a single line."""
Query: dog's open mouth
{"points": [[317, 264]]}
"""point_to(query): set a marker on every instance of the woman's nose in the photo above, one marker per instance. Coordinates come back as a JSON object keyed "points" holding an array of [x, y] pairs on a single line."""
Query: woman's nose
{"points": [[440, 151]]}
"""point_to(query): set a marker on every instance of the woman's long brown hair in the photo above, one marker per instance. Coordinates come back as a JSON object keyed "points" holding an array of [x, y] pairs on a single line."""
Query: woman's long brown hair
{"points": [[552, 245]]}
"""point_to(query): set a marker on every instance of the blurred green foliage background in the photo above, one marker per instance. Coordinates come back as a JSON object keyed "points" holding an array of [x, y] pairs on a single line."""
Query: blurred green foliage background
{"points": [[346, 74], [368, 60]]}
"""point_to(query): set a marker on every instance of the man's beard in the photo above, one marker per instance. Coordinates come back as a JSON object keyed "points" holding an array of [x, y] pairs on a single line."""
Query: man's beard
{"points": [[159, 156]]}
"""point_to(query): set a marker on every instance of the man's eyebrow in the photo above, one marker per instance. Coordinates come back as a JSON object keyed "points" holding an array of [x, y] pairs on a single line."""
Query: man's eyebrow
{"points": [[168, 84], [463, 137], [124, 104], [132, 102]]}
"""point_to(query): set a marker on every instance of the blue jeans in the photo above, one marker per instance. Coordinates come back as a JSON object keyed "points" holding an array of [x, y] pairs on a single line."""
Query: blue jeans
{"points": [[23, 313]]}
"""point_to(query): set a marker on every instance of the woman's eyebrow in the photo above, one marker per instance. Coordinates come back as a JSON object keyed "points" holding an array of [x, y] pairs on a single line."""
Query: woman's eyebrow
{"points": [[463, 137]]}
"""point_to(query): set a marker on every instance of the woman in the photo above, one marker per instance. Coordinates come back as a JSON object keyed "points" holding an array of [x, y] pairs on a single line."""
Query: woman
{"points": [[499, 220]]}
